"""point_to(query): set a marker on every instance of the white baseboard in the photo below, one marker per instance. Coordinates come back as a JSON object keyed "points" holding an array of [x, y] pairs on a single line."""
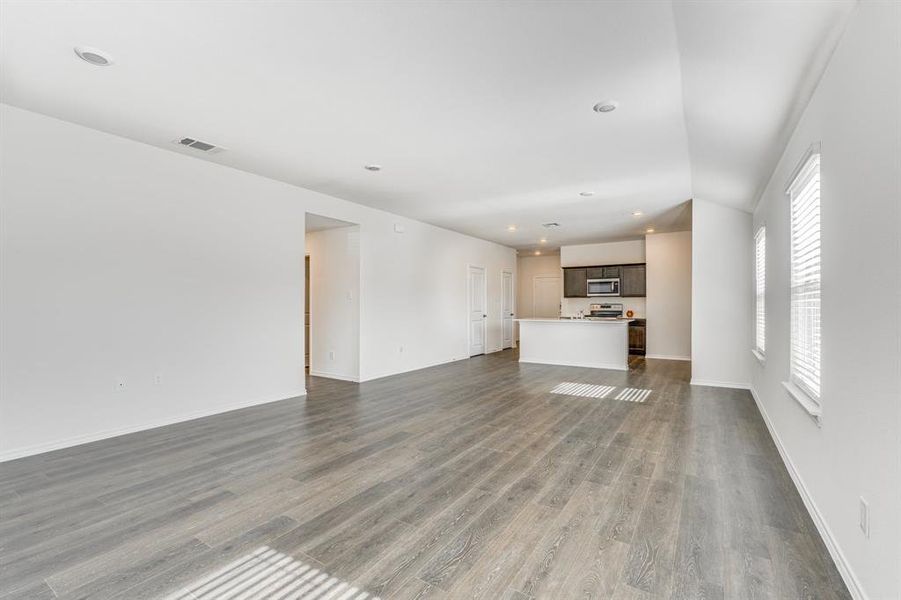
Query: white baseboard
{"points": [[334, 376], [722, 384], [425, 366], [429, 365], [844, 568], [78, 440], [574, 364], [667, 357]]}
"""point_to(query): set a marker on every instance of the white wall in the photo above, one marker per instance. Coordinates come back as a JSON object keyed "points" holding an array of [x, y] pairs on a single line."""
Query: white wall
{"points": [[527, 268], [609, 253], [335, 302], [669, 295], [721, 298], [855, 114], [122, 261], [413, 297]]}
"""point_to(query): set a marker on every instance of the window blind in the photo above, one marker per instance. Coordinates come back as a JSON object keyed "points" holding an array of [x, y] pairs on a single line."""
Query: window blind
{"points": [[760, 285], [805, 277]]}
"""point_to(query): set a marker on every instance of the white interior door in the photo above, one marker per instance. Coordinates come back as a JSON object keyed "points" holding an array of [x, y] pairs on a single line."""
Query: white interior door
{"points": [[507, 307], [546, 296], [478, 311]]}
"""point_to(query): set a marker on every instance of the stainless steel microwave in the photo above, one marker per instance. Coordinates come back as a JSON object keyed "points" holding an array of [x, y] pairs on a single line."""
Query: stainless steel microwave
{"points": [[603, 287]]}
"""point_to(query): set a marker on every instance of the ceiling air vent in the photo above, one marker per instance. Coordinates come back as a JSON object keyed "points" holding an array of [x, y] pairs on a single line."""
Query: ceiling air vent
{"points": [[198, 145], [550, 225]]}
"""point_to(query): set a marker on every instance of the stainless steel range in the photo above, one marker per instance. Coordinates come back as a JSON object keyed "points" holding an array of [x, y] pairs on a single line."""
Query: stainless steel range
{"points": [[605, 311]]}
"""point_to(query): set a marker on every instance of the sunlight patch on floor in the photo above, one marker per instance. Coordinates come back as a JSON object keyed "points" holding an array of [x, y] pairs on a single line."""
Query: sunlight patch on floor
{"points": [[590, 390], [587, 390], [633, 395], [269, 574]]}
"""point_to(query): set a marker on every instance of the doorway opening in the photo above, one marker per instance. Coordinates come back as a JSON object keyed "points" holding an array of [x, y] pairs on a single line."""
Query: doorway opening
{"points": [[478, 310], [332, 298], [306, 314], [507, 311]]}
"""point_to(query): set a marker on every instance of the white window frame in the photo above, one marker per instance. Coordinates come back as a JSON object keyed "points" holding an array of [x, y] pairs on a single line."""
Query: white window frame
{"points": [[760, 293], [805, 338]]}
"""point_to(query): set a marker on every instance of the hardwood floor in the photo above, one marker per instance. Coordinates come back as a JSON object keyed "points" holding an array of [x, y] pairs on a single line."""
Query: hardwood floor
{"points": [[468, 480]]}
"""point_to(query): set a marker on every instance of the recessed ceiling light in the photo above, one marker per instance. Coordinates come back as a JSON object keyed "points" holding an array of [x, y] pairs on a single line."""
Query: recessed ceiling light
{"points": [[637, 213], [511, 228], [538, 253], [93, 56], [543, 241], [649, 230], [586, 194], [373, 168], [605, 106]]}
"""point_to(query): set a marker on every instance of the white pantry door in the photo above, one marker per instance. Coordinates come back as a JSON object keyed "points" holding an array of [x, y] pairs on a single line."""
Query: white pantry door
{"points": [[478, 311], [507, 308], [545, 296]]}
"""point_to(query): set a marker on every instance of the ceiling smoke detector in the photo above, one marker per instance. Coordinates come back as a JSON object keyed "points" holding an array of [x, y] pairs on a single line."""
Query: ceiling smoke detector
{"points": [[550, 225], [373, 168], [93, 56], [204, 147], [605, 106], [586, 194]]}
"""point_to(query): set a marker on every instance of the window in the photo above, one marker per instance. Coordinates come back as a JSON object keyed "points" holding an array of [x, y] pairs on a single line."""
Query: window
{"points": [[804, 191], [760, 287]]}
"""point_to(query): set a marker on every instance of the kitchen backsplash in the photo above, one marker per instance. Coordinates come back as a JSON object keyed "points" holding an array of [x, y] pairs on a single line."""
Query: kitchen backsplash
{"points": [[572, 306]]}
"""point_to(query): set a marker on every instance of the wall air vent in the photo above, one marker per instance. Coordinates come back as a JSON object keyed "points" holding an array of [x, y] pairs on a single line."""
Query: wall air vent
{"points": [[550, 225], [205, 147]]}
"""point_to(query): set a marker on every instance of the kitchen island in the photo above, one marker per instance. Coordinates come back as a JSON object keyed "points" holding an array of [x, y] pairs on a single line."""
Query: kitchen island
{"points": [[596, 343]]}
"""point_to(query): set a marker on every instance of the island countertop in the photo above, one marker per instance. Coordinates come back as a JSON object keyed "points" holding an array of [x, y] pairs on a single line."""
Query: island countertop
{"points": [[585, 320], [598, 343]]}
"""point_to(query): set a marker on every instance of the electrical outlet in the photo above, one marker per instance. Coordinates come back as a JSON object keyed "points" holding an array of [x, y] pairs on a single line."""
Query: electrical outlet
{"points": [[158, 379], [864, 517], [331, 355]]}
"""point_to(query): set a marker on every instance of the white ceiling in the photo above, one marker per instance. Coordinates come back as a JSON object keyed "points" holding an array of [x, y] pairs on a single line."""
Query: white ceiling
{"points": [[480, 113], [749, 68]]}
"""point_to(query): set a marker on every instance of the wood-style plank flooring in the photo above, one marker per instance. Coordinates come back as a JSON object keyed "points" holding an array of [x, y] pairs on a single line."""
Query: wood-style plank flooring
{"points": [[467, 480]]}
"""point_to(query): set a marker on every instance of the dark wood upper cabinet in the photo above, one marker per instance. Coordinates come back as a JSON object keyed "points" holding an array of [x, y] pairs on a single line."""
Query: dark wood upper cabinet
{"points": [[603, 272], [632, 282], [574, 283]]}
